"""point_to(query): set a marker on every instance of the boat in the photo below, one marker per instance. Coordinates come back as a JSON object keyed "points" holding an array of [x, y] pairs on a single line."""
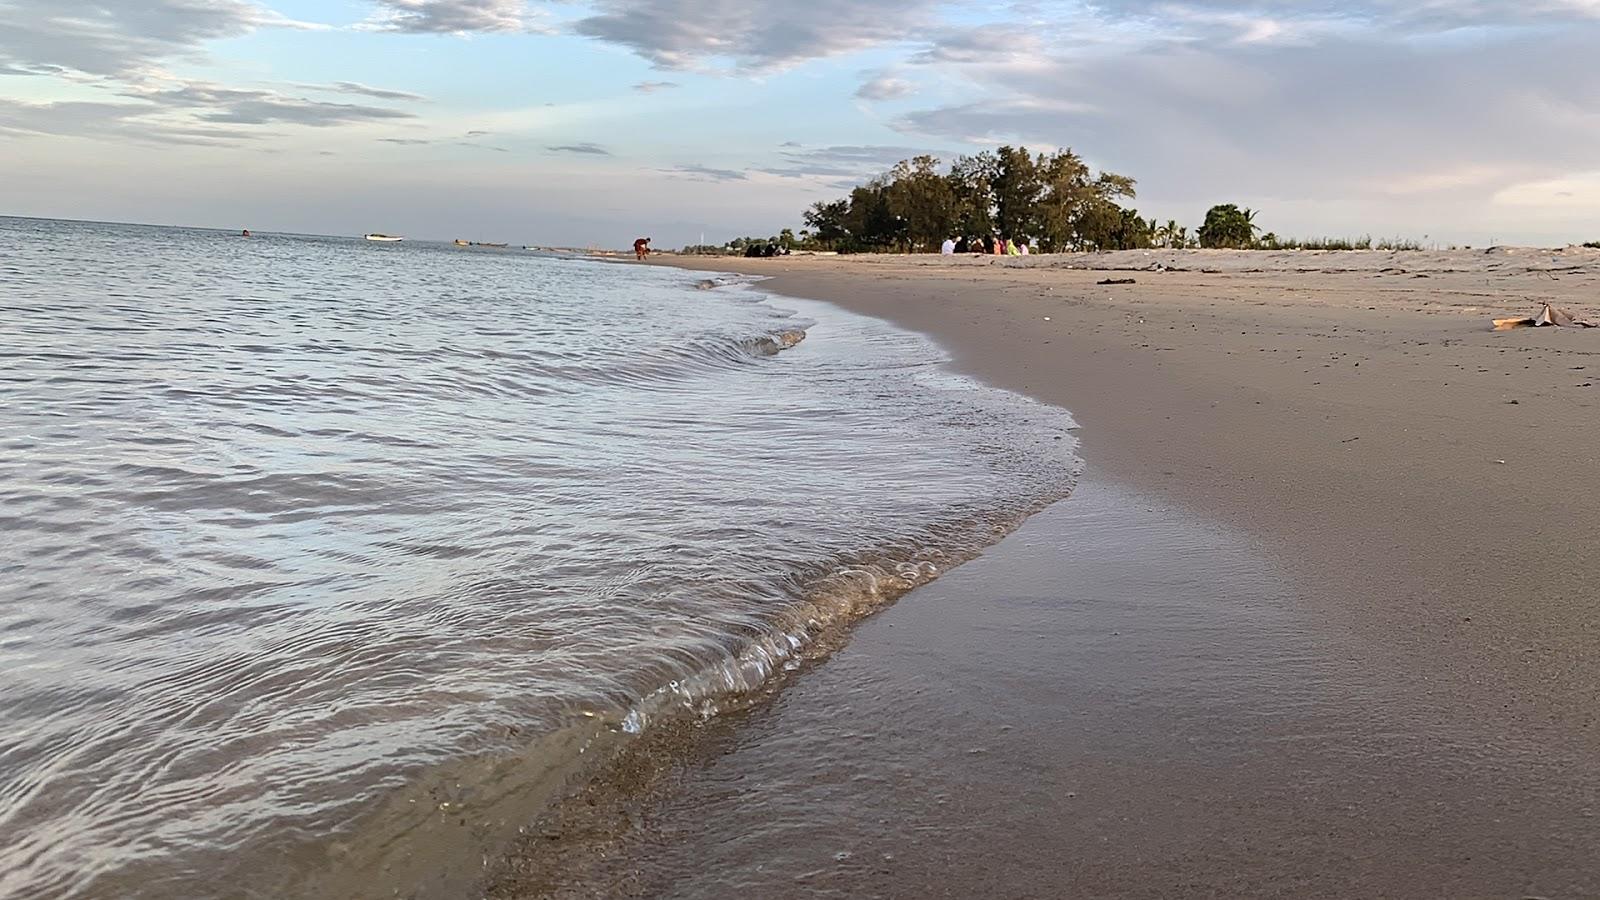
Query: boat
{"points": [[461, 243], [385, 238]]}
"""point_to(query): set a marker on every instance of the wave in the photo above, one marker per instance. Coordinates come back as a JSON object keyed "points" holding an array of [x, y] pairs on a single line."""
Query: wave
{"points": [[414, 840]]}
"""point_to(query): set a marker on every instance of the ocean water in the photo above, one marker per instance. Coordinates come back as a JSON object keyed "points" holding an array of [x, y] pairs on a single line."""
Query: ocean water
{"points": [[325, 563]]}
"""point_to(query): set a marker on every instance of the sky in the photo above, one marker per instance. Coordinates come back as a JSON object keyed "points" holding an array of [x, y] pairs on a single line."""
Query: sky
{"points": [[591, 122]]}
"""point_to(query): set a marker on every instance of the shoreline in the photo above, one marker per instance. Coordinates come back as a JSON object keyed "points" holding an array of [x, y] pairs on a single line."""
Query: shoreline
{"points": [[1299, 407], [1420, 481]]}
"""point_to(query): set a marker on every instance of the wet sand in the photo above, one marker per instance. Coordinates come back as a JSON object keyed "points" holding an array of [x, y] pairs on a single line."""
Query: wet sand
{"points": [[1318, 622]]}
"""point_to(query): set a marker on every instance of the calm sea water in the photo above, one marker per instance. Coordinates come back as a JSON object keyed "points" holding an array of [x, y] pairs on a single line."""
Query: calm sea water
{"points": [[319, 555]]}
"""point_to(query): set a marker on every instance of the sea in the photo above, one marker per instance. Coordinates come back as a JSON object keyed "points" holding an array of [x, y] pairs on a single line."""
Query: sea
{"points": [[326, 566]]}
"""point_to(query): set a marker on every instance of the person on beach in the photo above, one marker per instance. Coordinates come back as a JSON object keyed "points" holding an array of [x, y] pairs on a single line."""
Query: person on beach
{"points": [[641, 248], [998, 248], [948, 248], [1013, 248]]}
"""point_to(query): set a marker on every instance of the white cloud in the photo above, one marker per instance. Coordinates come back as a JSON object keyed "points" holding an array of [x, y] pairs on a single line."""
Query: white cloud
{"points": [[693, 34], [452, 16], [885, 87], [118, 38]]}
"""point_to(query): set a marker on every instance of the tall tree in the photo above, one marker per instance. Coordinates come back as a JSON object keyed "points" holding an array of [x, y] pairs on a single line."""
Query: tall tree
{"points": [[923, 200], [972, 183], [1017, 188], [872, 225], [827, 222]]}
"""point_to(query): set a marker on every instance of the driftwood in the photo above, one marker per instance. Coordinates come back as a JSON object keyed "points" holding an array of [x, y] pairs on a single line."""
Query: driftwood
{"points": [[1119, 281], [1548, 316]]}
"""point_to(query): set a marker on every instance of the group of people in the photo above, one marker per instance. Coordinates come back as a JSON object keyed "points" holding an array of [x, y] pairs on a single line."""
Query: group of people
{"points": [[991, 245]]}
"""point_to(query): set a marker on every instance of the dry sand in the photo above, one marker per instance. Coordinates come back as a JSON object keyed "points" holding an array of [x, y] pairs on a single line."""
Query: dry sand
{"points": [[1319, 622]]}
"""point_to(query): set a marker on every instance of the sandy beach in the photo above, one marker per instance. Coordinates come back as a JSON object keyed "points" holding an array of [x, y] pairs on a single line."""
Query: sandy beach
{"points": [[1317, 622]]}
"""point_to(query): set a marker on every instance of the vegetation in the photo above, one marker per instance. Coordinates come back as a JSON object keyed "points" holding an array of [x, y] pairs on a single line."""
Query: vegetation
{"points": [[1229, 226], [784, 239], [1051, 200], [1273, 242], [1592, 245]]}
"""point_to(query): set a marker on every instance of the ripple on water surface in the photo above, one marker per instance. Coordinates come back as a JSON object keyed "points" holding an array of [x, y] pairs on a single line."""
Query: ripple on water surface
{"points": [[293, 525]]}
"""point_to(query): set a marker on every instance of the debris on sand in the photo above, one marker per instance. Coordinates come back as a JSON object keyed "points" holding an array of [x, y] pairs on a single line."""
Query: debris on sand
{"points": [[1119, 281], [1548, 316]]}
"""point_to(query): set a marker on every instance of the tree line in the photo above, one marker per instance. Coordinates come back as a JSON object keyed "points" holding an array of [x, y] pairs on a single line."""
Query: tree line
{"points": [[1053, 201]]}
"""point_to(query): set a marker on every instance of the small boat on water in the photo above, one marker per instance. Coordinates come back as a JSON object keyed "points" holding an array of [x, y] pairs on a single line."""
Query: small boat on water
{"points": [[385, 238]]}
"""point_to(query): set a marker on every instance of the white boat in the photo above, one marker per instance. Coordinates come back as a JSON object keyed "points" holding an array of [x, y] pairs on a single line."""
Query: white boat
{"points": [[384, 238]]}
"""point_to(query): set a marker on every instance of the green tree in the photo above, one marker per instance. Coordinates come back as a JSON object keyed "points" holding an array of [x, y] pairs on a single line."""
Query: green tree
{"points": [[1058, 216], [1017, 187], [971, 183], [871, 223], [827, 222], [923, 201], [1227, 225]]}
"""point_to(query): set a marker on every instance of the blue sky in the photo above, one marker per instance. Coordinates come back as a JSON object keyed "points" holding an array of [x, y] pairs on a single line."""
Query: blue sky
{"points": [[594, 121]]}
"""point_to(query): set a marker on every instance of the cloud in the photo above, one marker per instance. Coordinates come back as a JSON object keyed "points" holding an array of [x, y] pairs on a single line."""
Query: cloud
{"points": [[352, 87], [844, 164], [650, 87], [691, 34], [217, 103], [131, 122], [118, 38], [885, 87], [985, 44], [452, 16], [1270, 21], [703, 173], [406, 142], [1376, 127], [584, 148], [1579, 191]]}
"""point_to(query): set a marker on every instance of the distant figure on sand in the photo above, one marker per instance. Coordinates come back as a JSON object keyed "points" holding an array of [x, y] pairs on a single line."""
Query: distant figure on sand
{"points": [[641, 248], [948, 248]]}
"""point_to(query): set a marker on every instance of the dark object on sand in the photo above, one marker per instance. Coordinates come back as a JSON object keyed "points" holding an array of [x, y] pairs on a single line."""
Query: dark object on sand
{"points": [[1548, 316], [1119, 281]]}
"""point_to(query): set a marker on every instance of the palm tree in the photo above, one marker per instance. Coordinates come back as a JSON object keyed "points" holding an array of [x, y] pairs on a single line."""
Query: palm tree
{"points": [[1169, 234], [1250, 220]]}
